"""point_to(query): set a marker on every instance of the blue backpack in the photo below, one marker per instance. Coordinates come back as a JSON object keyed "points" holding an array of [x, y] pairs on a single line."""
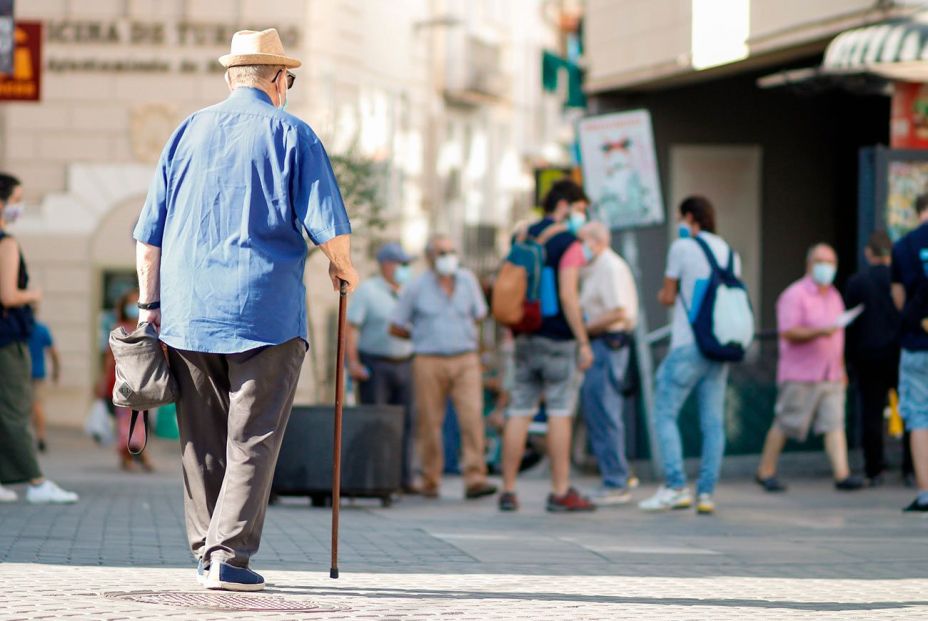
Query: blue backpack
{"points": [[721, 313]]}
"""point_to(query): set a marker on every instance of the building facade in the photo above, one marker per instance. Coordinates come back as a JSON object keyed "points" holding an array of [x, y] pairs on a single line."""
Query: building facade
{"points": [[445, 94]]}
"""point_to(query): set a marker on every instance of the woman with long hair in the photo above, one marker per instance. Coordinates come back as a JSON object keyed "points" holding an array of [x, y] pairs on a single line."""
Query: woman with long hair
{"points": [[18, 460]]}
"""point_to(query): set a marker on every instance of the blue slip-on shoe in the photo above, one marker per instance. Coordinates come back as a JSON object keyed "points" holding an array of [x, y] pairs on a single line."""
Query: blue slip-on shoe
{"points": [[223, 576], [202, 572]]}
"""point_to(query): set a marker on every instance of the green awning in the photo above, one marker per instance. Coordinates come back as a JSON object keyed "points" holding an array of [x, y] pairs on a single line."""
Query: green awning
{"points": [[896, 49]]}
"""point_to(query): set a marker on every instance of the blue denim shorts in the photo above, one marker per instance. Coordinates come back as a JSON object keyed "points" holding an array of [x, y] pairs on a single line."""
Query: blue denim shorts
{"points": [[913, 389]]}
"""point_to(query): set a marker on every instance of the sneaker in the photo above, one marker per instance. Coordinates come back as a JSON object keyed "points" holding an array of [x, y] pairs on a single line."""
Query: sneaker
{"points": [[610, 496], [225, 577], [875, 481], [849, 484], [508, 502], [202, 573], [7, 495], [770, 484], [666, 499], [49, 493], [915, 507], [572, 501], [705, 505], [479, 490]]}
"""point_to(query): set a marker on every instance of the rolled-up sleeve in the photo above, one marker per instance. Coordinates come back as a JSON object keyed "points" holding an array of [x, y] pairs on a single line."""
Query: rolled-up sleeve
{"points": [[316, 198], [150, 227]]}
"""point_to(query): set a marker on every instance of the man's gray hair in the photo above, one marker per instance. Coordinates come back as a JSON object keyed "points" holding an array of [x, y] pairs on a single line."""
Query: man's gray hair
{"points": [[434, 239], [598, 231], [811, 251], [253, 75]]}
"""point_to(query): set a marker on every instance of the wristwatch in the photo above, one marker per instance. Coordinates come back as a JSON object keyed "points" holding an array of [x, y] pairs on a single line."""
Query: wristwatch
{"points": [[149, 305]]}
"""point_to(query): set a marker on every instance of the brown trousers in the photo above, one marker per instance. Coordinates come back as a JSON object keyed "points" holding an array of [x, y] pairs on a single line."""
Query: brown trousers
{"points": [[437, 378], [232, 413]]}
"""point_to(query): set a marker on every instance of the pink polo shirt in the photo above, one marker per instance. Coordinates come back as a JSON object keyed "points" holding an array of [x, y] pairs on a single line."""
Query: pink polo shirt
{"points": [[803, 304]]}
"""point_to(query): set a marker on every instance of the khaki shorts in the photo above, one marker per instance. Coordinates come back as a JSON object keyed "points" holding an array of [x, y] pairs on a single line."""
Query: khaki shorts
{"points": [[801, 403]]}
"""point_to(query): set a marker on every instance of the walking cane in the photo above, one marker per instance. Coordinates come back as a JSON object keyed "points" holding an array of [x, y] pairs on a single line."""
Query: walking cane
{"points": [[337, 445]]}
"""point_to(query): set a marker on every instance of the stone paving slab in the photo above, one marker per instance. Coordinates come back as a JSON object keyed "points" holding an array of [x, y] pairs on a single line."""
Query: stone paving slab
{"points": [[812, 553]]}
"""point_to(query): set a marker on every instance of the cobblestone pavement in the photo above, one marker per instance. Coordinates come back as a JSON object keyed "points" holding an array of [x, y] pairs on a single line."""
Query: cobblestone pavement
{"points": [[812, 553]]}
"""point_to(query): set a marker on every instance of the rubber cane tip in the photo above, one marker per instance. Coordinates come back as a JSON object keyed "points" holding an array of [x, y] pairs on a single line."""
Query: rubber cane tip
{"points": [[333, 573]]}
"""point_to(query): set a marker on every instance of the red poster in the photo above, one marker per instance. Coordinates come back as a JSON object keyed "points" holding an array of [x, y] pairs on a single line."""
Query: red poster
{"points": [[909, 125], [25, 84]]}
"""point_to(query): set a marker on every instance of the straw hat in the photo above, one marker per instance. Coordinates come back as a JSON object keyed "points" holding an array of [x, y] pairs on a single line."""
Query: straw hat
{"points": [[250, 47]]}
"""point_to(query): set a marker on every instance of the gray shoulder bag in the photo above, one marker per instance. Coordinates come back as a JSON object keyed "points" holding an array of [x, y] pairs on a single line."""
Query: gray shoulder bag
{"points": [[143, 375]]}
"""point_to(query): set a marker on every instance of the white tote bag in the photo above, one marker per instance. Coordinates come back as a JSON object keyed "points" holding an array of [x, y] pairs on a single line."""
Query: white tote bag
{"points": [[99, 424]]}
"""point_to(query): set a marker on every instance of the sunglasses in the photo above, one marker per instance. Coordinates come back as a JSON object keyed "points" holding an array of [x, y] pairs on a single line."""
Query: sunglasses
{"points": [[445, 253], [291, 78]]}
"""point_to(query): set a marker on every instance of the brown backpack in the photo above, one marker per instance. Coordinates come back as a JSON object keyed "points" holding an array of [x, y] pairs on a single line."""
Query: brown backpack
{"points": [[515, 302]]}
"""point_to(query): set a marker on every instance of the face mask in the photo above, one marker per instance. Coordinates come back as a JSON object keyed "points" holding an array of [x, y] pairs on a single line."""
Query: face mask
{"points": [[131, 311], [824, 273], [283, 97], [12, 212], [575, 221], [447, 265], [401, 274], [683, 230], [588, 253]]}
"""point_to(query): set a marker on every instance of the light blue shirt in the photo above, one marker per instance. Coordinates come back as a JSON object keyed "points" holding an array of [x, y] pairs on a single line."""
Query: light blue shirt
{"points": [[442, 325], [371, 310], [237, 185]]}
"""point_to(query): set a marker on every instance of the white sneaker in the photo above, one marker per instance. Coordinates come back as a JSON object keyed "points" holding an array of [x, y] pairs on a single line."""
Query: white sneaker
{"points": [[49, 493], [666, 499], [609, 496], [705, 505], [7, 495]]}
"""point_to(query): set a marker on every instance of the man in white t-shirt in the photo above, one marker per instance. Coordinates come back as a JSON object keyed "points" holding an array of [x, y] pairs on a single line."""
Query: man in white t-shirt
{"points": [[609, 301], [685, 368]]}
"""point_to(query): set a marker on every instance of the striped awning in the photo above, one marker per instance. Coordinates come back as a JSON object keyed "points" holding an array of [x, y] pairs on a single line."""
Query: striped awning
{"points": [[896, 49]]}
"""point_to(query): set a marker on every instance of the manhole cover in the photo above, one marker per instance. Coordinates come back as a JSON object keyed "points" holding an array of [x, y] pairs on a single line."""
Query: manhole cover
{"points": [[224, 601]]}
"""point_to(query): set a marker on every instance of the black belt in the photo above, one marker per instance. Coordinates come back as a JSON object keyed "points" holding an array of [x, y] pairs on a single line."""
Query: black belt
{"points": [[386, 358]]}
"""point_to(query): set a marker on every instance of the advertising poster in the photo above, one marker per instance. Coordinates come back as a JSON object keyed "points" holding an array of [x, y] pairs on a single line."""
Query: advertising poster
{"points": [[905, 182], [620, 169]]}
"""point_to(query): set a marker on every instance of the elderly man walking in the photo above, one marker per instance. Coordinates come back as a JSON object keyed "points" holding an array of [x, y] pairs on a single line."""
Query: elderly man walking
{"points": [[220, 258], [439, 311], [609, 301], [810, 372], [380, 362]]}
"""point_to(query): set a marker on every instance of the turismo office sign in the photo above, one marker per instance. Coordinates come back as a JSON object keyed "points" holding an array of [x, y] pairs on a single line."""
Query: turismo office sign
{"points": [[24, 82], [620, 169]]}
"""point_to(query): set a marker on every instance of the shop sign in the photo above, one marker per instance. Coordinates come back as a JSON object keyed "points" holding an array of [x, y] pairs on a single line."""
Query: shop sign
{"points": [[24, 83], [909, 122]]}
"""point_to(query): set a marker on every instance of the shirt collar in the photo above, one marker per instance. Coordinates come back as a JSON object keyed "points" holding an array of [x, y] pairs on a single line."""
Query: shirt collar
{"points": [[812, 286], [249, 92]]}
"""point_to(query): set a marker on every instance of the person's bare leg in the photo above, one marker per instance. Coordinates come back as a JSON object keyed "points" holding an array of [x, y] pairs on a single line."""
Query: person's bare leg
{"points": [[514, 436], [918, 440], [836, 448], [773, 446], [38, 419], [559, 433]]}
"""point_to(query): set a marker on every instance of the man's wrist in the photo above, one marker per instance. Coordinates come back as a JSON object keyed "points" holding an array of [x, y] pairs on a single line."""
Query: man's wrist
{"points": [[149, 305]]}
